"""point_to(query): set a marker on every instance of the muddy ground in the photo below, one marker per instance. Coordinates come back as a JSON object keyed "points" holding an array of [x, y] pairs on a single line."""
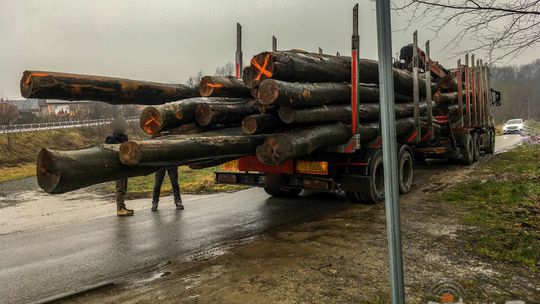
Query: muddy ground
{"points": [[338, 258]]}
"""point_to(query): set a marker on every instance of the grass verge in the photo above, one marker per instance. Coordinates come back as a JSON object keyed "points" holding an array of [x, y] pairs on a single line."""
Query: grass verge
{"points": [[503, 207], [200, 181], [16, 172]]}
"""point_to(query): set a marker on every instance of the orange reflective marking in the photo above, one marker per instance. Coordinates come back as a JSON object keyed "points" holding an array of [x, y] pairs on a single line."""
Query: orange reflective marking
{"points": [[214, 85], [262, 69], [35, 75]]}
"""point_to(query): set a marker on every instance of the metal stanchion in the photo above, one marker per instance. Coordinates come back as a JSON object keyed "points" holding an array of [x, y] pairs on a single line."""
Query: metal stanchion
{"points": [[239, 67], [388, 134], [427, 68], [416, 88], [274, 43]]}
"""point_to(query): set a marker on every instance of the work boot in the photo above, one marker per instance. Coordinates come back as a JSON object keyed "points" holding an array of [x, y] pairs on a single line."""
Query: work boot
{"points": [[179, 205], [154, 206], [124, 212]]}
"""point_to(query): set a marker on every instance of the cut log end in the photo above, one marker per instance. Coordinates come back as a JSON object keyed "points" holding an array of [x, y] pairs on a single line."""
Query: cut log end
{"points": [[286, 114], [48, 175], [129, 153], [268, 92], [206, 86], [275, 151], [151, 120], [249, 125], [27, 79], [248, 76], [203, 115]]}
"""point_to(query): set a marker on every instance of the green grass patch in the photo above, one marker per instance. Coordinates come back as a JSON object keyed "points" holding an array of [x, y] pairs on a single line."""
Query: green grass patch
{"points": [[16, 172], [22, 148], [200, 181], [503, 205]]}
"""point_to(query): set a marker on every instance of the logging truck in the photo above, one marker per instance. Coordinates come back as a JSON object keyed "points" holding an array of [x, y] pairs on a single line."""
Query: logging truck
{"points": [[356, 167]]}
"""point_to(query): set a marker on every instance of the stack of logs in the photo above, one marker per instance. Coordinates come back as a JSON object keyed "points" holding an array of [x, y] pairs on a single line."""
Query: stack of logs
{"points": [[289, 104]]}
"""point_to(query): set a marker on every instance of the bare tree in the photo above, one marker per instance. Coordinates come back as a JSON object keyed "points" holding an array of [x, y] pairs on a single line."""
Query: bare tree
{"points": [[226, 70], [194, 80], [501, 28], [8, 115]]}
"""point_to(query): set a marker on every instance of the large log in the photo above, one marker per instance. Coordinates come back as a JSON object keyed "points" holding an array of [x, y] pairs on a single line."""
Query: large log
{"points": [[295, 94], [300, 66], [223, 86], [333, 113], [64, 171], [450, 98], [64, 86], [224, 114], [295, 143], [262, 123], [154, 120], [370, 131], [186, 150]]}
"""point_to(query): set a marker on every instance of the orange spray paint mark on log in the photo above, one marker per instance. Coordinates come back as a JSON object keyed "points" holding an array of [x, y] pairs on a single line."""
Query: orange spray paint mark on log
{"points": [[215, 85], [150, 124], [27, 82], [262, 69]]}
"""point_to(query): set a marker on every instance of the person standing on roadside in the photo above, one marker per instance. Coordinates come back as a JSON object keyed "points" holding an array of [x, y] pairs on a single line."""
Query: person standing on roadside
{"points": [[119, 129], [172, 171]]}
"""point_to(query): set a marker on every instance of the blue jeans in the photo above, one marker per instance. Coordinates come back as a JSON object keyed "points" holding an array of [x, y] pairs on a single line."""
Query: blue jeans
{"points": [[173, 176]]}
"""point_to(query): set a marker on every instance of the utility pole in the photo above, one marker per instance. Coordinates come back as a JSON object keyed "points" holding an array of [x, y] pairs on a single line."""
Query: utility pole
{"points": [[388, 134]]}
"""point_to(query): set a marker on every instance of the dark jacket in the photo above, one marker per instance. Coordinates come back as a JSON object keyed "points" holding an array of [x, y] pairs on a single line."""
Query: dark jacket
{"points": [[116, 139]]}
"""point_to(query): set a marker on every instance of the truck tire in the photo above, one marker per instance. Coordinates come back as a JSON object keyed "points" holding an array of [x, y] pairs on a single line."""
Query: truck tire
{"points": [[467, 149], [476, 144], [375, 192], [405, 169], [490, 149], [283, 192]]}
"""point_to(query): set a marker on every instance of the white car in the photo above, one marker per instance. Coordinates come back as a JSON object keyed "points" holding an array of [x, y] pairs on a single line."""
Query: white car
{"points": [[513, 126]]}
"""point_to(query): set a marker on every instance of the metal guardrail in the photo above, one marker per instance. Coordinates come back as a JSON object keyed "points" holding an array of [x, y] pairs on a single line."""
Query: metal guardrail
{"points": [[17, 128]]}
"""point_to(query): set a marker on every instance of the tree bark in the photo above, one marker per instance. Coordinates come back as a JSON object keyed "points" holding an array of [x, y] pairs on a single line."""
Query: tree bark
{"points": [[224, 114], [262, 123], [64, 171], [300, 66], [342, 113], [294, 94], [295, 143], [154, 120], [64, 86], [223, 86], [186, 150]]}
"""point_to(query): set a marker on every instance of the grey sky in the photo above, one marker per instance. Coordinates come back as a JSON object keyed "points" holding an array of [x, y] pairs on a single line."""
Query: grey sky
{"points": [[167, 41]]}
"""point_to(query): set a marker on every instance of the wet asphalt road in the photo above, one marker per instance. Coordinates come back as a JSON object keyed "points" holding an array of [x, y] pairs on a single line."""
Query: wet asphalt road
{"points": [[40, 263]]}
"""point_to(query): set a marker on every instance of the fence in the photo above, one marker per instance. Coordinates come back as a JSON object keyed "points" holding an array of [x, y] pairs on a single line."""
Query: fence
{"points": [[58, 125]]}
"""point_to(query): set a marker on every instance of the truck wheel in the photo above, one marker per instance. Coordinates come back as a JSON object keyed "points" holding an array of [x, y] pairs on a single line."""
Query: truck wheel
{"points": [[406, 171], [490, 149], [374, 193], [476, 150], [283, 192], [467, 149]]}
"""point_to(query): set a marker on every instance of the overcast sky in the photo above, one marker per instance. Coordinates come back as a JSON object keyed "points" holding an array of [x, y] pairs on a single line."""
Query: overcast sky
{"points": [[167, 41]]}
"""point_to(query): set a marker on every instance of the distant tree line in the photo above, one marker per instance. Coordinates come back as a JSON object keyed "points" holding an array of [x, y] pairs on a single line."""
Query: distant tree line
{"points": [[520, 89]]}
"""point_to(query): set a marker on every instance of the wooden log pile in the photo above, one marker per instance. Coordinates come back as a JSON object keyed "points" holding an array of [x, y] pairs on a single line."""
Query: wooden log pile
{"points": [[289, 104]]}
